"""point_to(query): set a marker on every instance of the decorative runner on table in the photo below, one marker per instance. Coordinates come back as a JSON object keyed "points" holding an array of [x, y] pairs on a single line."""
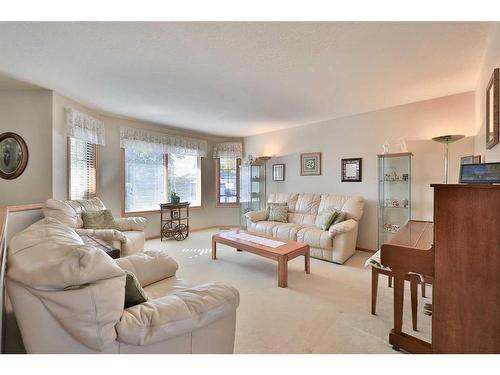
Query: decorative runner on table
{"points": [[256, 239]]}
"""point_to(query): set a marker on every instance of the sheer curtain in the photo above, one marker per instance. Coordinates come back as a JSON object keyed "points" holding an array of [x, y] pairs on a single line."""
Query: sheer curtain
{"points": [[84, 127], [149, 141], [228, 150]]}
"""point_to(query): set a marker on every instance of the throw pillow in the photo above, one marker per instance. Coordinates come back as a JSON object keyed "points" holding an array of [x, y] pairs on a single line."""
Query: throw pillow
{"points": [[329, 217], [278, 213], [340, 218], [98, 220], [134, 294]]}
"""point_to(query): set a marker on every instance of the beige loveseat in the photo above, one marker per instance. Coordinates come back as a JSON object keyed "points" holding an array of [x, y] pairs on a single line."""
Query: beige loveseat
{"points": [[304, 210], [69, 298], [128, 236]]}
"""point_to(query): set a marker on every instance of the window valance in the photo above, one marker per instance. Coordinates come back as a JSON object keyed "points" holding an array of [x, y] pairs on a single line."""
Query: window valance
{"points": [[82, 126], [228, 150], [146, 140]]}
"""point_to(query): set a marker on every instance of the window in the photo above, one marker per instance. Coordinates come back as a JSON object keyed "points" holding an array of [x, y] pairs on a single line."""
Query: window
{"points": [[228, 181], [184, 178], [149, 178], [145, 175], [82, 169]]}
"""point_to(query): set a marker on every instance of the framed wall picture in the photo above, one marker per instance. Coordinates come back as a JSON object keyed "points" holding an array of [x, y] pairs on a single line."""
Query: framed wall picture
{"points": [[467, 160], [310, 164], [351, 170], [13, 155], [492, 110], [278, 172]]}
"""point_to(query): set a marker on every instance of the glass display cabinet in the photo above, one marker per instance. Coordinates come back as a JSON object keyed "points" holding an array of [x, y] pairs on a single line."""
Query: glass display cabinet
{"points": [[394, 194], [252, 187]]}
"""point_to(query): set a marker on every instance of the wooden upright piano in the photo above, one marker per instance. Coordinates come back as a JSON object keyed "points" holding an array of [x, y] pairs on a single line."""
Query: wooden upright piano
{"points": [[464, 263]]}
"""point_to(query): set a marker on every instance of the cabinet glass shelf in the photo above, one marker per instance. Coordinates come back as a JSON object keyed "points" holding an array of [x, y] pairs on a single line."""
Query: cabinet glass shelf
{"points": [[394, 194]]}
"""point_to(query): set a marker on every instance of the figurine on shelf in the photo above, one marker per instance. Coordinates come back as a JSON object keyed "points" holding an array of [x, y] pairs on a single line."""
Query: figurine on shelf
{"points": [[402, 145], [395, 203], [405, 176], [386, 147], [405, 202], [391, 228]]}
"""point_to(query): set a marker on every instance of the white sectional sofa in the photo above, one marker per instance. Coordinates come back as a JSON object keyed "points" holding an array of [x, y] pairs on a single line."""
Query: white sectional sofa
{"points": [[69, 298], [304, 209], [129, 235]]}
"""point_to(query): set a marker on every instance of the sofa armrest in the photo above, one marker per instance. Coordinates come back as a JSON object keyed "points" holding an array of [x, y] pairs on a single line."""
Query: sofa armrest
{"points": [[149, 266], [103, 234], [342, 227], [131, 223], [255, 216], [176, 314]]}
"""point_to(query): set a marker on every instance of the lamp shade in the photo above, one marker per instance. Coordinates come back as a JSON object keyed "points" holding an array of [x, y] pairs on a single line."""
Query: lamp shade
{"points": [[447, 139]]}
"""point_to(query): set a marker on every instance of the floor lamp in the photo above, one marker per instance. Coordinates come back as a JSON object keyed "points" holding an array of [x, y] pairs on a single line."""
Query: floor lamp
{"points": [[447, 139]]}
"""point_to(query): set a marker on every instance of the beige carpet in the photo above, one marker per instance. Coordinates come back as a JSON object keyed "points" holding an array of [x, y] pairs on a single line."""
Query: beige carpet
{"points": [[327, 311]]}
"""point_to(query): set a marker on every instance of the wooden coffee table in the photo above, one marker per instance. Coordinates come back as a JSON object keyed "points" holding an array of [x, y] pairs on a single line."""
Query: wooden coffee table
{"points": [[281, 254]]}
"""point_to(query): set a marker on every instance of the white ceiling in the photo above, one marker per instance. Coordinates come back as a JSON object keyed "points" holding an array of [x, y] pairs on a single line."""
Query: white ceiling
{"points": [[240, 79]]}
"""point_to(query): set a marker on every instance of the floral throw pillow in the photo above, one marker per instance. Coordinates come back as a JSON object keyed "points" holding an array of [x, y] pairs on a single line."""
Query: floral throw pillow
{"points": [[329, 217], [102, 219], [278, 213]]}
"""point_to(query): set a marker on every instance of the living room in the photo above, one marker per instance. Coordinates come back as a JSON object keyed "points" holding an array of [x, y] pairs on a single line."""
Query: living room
{"points": [[225, 187]]}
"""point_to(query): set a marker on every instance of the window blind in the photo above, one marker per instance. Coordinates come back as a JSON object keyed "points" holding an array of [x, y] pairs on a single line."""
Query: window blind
{"points": [[82, 171], [145, 180]]}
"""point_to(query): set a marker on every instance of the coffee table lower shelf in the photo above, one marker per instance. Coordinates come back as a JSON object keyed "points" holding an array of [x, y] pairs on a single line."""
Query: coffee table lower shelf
{"points": [[281, 254]]}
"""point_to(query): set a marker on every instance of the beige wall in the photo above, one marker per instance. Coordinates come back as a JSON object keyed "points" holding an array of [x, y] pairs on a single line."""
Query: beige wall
{"points": [[29, 114], [490, 62], [363, 136], [110, 182]]}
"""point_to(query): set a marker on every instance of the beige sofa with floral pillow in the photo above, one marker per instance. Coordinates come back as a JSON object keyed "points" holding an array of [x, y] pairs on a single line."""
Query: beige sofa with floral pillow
{"points": [[305, 210]]}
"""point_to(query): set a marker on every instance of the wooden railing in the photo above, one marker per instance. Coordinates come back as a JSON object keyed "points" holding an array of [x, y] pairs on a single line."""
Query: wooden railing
{"points": [[4, 211]]}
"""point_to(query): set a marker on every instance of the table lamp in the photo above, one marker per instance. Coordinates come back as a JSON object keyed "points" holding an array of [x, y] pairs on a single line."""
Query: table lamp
{"points": [[447, 139]]}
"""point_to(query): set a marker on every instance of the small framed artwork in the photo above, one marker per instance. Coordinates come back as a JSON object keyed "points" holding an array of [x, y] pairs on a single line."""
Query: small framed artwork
{"points": [[467, 160], [310, 164], [351, 170], [13, 155], [175, 214], [492, 110], [278, 172]]}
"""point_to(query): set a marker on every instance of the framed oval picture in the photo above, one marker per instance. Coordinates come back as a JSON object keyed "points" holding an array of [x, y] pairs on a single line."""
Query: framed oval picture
{"points": [[13, 155]]}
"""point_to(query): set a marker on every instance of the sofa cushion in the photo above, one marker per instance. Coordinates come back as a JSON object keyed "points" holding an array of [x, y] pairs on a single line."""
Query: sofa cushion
{"points": [[44, 233], [163, 287], [329, 217], [149, 266], [135, 242], [176, 313], [278, 212], [315, 237], [102, 219], [289, 198], [264, 227], [134, 294]]}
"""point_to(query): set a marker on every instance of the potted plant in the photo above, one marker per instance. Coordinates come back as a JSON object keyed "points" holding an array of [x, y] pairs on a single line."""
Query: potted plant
{"points": [[174, 198]]}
